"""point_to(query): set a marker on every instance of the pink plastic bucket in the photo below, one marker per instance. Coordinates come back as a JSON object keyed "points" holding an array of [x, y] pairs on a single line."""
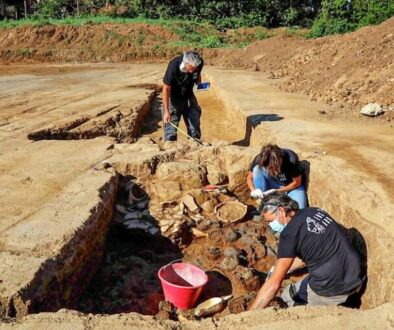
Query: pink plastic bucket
{"points": [[182, 283]]}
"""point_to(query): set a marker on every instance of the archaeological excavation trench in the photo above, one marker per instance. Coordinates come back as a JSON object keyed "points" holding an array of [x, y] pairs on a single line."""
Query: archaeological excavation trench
{"points": [[159, 211]]}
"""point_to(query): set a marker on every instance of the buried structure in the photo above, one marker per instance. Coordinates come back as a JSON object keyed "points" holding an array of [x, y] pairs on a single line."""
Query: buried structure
{"points": [[96, 245]]}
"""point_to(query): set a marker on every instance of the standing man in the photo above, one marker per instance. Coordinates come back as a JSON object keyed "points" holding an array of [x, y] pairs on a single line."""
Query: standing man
{"points": [[178, 98], [309, 237]]}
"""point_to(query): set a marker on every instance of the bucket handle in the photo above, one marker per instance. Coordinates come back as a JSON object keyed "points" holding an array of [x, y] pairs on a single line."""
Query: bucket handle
{"points": [[172, 262], [176, 260]]}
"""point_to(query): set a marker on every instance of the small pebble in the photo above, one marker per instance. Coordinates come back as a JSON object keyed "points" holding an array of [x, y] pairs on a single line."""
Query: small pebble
{"points": [[231, 235], [230, 252]]}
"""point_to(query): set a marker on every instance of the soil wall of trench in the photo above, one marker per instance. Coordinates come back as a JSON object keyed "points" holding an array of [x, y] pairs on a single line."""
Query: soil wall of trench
{"points": [[60, 279]]}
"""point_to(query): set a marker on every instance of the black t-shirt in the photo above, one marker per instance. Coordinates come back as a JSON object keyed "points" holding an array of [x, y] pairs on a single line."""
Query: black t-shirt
{"points": [[333, 264], [290, 167], [181, 82]]}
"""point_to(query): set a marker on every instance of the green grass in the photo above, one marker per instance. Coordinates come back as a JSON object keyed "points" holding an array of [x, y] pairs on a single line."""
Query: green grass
{"points": [[84, 20], [24, 52]]}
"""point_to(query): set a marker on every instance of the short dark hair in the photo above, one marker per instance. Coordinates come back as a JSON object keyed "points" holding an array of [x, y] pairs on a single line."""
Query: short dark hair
{"points": [[272, 202]]}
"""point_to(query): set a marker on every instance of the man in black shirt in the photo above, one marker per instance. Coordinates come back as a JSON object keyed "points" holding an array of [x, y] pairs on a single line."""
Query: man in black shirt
{"points": [[178, 98], [312, 238]]}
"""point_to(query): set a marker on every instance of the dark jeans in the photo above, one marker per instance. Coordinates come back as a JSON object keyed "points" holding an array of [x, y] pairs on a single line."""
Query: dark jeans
{"points": [[191, 112]]}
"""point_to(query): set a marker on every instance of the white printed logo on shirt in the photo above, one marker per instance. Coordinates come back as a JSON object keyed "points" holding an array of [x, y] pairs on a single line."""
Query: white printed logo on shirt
{"points": [[319, 223], [314, 227]]}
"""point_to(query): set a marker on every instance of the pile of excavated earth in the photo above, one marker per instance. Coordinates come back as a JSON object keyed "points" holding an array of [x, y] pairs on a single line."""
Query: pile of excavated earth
{"points": [[93, 203], [348, 71]]}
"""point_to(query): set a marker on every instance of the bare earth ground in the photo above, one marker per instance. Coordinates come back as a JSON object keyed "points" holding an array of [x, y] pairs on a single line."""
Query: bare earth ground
{"points": [[50, 182], [348, 71], [50, 187]]}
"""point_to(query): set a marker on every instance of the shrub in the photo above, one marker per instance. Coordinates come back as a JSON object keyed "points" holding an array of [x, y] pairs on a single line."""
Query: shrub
{"points": [[339, 16], [51, 9]]}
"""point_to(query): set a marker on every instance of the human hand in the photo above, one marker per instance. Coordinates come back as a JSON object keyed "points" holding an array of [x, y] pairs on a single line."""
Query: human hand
{"points": [[269, 192], [257, 193], [166, 117]]}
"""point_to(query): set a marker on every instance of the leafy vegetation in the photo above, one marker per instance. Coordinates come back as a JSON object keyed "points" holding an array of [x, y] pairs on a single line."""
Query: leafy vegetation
{"points": [[340, 16], [222, 14]]}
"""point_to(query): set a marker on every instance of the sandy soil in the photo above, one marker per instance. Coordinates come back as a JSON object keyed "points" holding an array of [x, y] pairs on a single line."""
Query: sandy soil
{"points": [[348, 71], [40, 172], [70, 112]]}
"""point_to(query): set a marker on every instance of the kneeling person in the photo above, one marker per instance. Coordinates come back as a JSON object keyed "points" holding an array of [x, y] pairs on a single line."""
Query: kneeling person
{"points": [[312, 237]]}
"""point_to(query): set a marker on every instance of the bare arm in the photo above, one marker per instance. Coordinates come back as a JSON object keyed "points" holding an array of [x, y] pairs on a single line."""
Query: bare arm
{"points": [[292, 185], [272, 285], [249, 180], [166, 103]]}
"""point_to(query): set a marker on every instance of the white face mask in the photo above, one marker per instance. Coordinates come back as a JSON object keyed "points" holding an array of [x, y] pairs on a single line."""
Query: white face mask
{"points": [[275, 225], [182, 67]]}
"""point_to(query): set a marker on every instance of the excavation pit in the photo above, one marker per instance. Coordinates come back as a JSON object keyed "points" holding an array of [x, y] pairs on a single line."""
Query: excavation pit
{"points": [[337, 161], [127, 279], [146, 234]]}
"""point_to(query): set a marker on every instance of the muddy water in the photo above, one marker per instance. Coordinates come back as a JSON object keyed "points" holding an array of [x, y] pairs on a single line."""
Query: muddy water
{"points": [[217, 123]]}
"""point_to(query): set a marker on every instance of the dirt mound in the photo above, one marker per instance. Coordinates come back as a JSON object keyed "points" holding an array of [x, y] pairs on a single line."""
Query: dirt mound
{"points": [[348, 70], [93, 43], [351, 70]]}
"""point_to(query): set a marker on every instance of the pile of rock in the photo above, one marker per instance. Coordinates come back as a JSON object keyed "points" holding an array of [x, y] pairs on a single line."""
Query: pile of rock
{"points": [[134, 213]]}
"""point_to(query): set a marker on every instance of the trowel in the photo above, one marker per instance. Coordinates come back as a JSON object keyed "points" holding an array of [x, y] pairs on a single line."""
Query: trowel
{"points": [[211, 306]]}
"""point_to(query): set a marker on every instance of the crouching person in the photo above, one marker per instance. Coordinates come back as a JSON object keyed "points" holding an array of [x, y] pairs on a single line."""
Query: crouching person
{"points": [[311, 237], [277, 170]]}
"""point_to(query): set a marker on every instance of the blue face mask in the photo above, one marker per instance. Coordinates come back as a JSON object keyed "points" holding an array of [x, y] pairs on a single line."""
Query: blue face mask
{"points": [[276, 226]]}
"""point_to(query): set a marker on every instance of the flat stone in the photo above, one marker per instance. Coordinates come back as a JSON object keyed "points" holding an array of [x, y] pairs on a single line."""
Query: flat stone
{"points": [[133, 215], [215, 175], [153, 230], [208, 206], [121, 209], [137, 224], [186, 175], [190, 203], [372, 110]]}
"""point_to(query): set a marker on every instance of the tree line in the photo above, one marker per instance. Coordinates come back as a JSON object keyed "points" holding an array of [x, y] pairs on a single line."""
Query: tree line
{"points": [[323, 16]]}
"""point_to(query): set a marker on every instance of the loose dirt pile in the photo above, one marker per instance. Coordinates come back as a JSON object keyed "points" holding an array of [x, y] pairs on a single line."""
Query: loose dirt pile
{"points": [[350, 70], [90, 43]]}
